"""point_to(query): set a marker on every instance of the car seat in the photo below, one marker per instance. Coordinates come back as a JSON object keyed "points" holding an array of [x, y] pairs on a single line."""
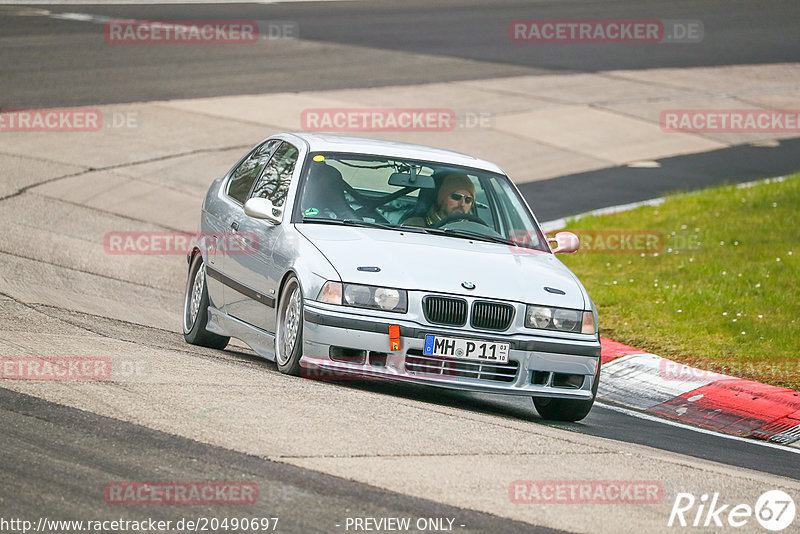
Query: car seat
{"points": [[324, 191]]}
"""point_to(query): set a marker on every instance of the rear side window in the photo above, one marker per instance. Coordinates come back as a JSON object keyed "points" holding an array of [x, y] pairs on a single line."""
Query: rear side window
{"points": [[246, 173], [274, 182]]}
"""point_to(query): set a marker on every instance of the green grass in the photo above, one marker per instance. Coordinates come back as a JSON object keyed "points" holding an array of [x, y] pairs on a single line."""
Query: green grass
{"points": [[722, 294]]}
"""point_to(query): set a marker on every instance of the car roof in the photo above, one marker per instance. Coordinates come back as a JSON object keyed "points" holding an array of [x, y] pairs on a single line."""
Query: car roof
{"points": [[318, 142]]}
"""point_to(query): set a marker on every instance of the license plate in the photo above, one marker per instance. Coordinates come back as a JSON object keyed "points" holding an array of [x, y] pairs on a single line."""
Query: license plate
{"points": [[465, 349]]}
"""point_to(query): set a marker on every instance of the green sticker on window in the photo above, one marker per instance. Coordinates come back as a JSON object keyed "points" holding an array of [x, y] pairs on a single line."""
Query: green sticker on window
{"points": [[310, 212]]}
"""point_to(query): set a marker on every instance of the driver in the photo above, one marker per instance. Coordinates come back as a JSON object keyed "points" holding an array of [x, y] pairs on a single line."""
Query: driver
{"points": [[456, 195]]}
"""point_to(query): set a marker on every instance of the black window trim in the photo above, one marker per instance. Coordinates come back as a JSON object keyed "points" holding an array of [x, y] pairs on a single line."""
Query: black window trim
{"points": [[272, 155], [241, 161]]}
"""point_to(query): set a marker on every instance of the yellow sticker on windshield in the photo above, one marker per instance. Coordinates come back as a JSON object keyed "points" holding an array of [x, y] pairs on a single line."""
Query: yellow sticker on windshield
{"points": [[319, 157]]}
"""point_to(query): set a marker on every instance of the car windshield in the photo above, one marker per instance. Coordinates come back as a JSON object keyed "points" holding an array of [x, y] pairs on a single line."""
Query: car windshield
{"points": [[419, 196]]}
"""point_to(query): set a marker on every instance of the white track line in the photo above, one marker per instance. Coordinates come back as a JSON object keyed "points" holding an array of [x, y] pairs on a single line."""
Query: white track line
{"points": [[648, 417], [557, 224]]}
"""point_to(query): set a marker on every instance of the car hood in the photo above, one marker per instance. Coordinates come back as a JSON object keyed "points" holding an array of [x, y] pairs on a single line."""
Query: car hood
{"points": [[441, 264]]}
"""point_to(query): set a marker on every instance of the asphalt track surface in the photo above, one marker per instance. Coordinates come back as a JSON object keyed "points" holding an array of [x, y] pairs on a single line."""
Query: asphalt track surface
{"points": [[582, 192], [58, 460], [51, 62], [53, 453]]}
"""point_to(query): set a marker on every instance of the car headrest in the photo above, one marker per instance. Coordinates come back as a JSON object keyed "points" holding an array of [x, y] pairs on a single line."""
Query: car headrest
{"points": [[324, 174], [325, 187]]}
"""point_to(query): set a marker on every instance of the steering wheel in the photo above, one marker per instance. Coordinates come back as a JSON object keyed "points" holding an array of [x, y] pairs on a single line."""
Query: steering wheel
{"points": [[459, 217]]}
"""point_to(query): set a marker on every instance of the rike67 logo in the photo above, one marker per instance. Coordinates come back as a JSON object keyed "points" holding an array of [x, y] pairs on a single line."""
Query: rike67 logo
{"points": [[774, 510]]}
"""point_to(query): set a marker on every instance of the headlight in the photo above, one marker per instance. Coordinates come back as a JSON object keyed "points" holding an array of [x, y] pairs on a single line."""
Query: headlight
{"points": [[356, 295], [385, 298], [538, 317], [561, 319], [566, 320], [361, 296]]}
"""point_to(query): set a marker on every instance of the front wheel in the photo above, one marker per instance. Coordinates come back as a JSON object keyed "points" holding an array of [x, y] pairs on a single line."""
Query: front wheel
{"points": [[567, 409], [195, 309], [289, 330]]}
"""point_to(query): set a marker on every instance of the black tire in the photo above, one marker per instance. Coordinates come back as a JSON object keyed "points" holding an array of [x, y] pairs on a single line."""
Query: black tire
{"points": [[289, 328], [567, 409], [195, 320]]}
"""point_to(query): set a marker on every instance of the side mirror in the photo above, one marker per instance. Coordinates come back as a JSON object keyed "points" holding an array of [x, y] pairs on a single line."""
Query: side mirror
{"points": [[565, 243], [262, 208]]}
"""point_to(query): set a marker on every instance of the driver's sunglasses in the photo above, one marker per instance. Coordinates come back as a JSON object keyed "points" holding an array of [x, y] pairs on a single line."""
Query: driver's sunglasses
{"points": [[458, 196]]}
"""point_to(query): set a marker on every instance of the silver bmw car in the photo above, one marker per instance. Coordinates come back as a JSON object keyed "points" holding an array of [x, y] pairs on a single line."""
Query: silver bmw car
{"points": [[396, 261]]}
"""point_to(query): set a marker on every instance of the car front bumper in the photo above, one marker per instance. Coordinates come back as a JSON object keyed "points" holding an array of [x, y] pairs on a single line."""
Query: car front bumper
{"points": [[538, 365]]}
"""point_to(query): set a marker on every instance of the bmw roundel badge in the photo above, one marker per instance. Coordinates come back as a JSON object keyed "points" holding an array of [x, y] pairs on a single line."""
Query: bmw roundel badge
{"points": [[467, 285]]}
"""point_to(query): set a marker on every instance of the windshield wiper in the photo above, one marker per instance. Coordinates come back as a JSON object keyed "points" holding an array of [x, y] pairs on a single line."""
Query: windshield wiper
{"points": [[368, 224], [364, 224], [322, 221], [469, 235], [371, 224], [449, 232]]}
